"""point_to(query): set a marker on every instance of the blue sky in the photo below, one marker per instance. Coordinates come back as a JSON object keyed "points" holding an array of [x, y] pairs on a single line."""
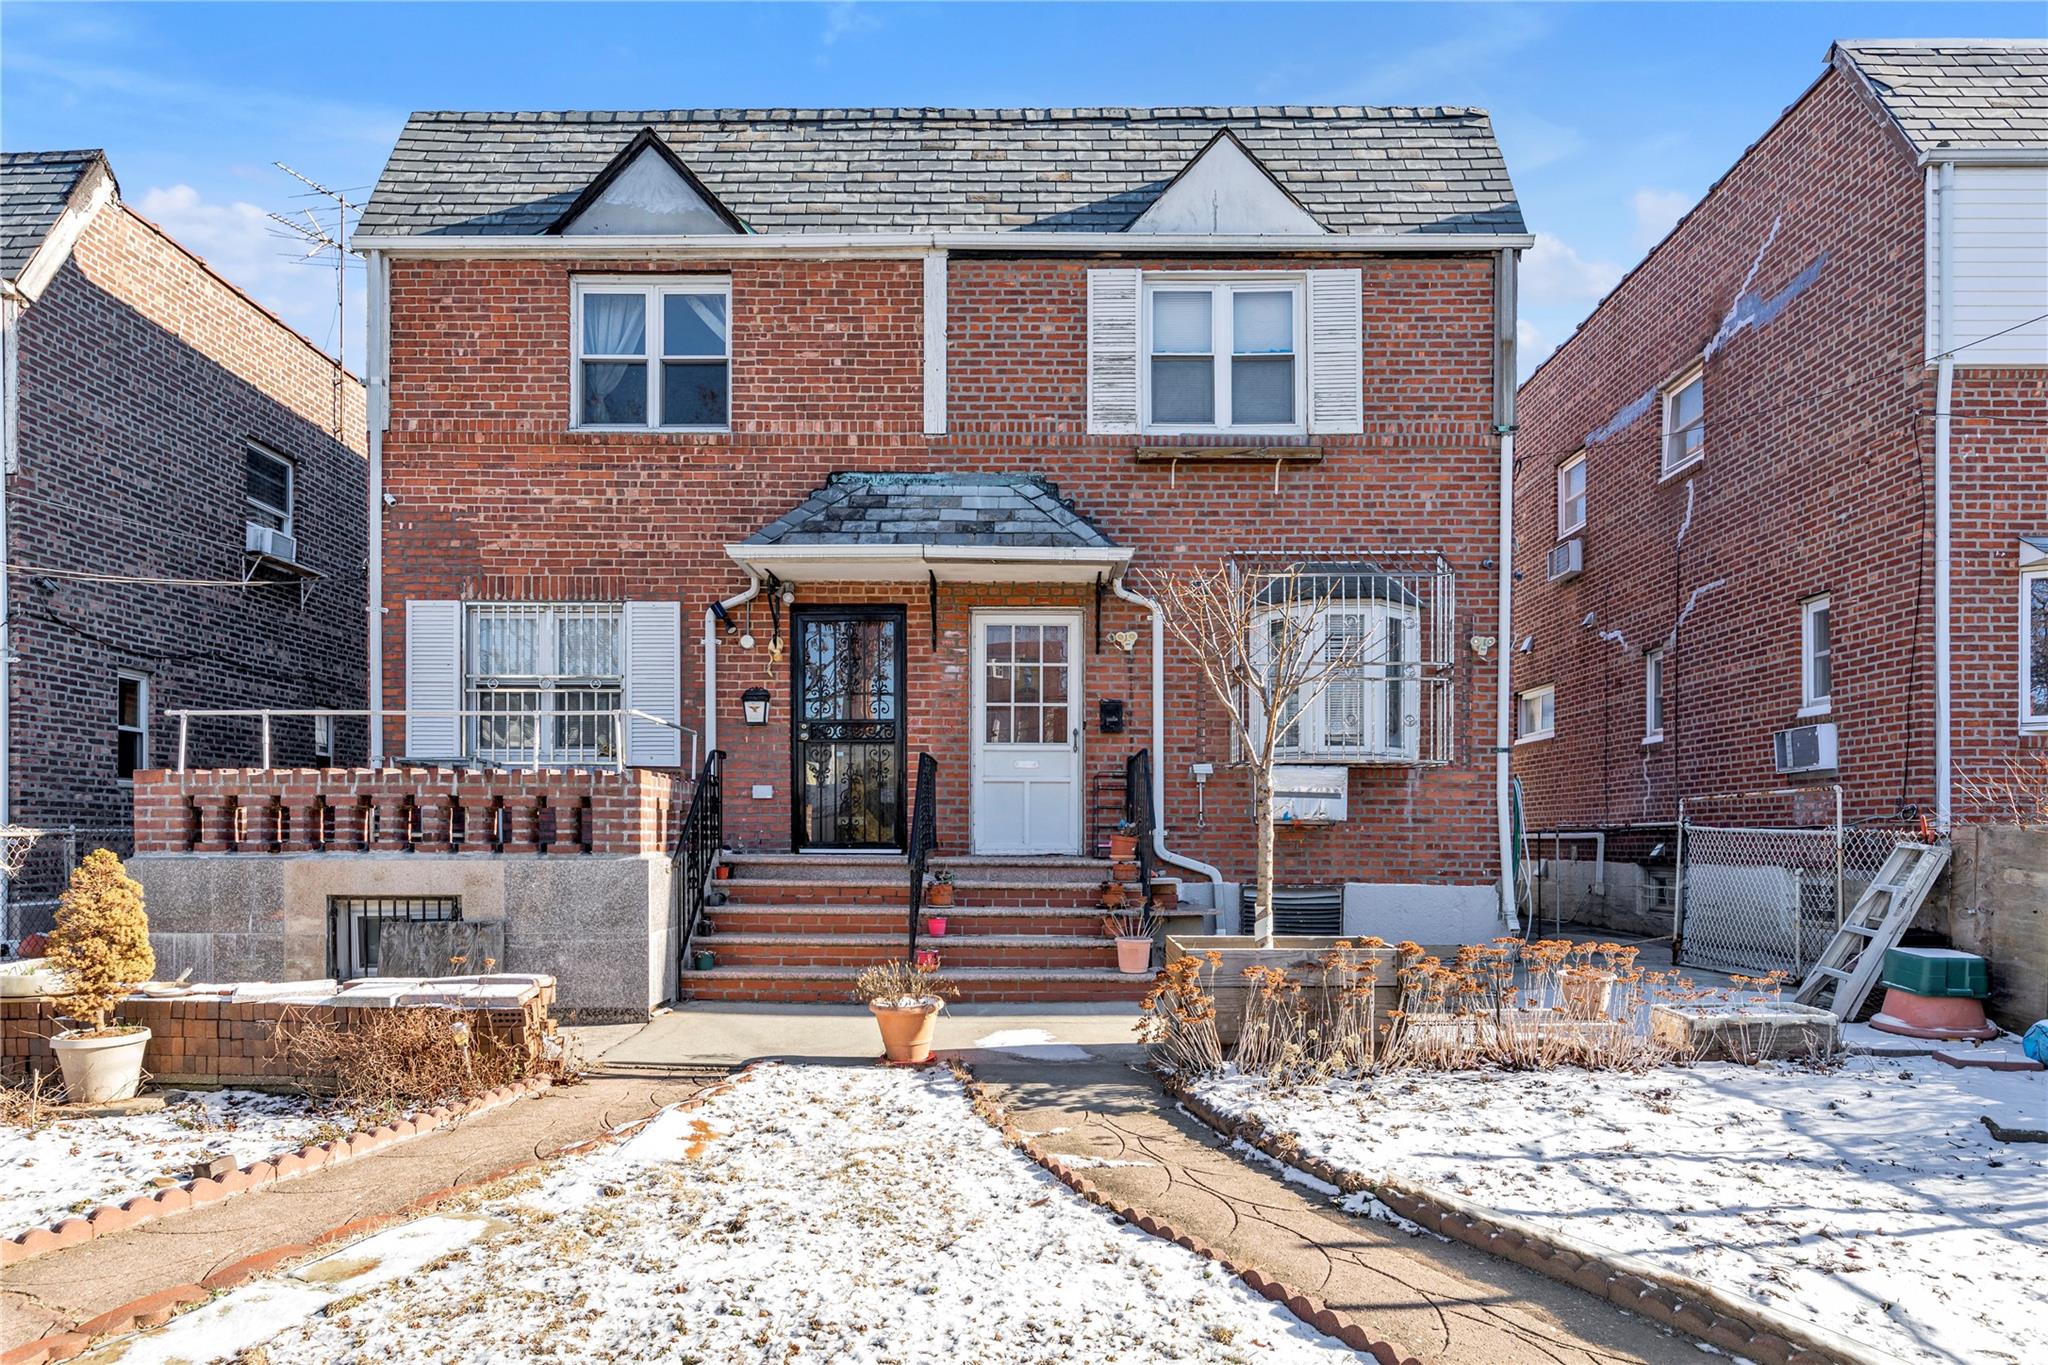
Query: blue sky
{"points": [[1614, 116]]}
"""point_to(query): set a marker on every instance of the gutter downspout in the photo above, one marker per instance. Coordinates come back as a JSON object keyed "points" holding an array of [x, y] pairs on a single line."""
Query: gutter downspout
{"points": [[1503, 703], [753, 590], [1944, 396], [377, 399], [1215, 876]]}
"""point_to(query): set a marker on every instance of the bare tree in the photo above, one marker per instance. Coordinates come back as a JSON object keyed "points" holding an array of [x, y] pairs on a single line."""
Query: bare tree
{"points": [[1257, 634]]}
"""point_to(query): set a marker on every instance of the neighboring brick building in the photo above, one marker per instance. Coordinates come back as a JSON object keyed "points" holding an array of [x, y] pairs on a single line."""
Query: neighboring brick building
{"points": [[692, 403], [1758, 552], [153, 414]]}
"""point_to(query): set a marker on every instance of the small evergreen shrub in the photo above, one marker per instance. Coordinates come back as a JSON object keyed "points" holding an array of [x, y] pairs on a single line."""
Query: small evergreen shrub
{"points": [[101, 942]]}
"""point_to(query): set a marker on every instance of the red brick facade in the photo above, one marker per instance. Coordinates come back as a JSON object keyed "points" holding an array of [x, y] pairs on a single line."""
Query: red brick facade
{"points": [[1816, 480], [142, 376], [497, 499]]}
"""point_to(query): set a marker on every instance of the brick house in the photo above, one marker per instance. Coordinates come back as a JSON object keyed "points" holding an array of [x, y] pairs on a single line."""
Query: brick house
{"points": [[1782, 500], [184, 515], [876, 425]]}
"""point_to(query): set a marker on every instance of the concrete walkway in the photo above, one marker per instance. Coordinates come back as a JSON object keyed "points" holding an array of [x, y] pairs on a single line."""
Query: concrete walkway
{"points": [[60, 1289], [718, 1033]]}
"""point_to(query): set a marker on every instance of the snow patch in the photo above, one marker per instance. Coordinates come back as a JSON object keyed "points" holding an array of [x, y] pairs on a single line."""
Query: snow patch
{"points": [[1032, 1042]]}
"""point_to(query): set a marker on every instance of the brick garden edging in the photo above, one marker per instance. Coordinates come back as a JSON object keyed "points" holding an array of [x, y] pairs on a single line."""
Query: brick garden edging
{"points": [[206, 1190], [1676, 1301], [1312, 1311], [153, 1310]]}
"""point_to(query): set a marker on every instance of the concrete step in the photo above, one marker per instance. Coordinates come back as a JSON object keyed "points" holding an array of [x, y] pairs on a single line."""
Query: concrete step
{"points": [[961, 921], [1020, 952], [893, 867], [968, 892], [834, 985]]}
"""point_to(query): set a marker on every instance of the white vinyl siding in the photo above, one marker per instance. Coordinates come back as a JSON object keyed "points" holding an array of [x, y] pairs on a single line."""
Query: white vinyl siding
{"points": [[2034, 649], [1571, 495], [1535, 714], [2000, 265], [651, 354]]}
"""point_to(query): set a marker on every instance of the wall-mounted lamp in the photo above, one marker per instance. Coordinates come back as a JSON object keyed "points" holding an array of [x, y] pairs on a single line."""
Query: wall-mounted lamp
{"points": [[724, 617], [754, 701]]}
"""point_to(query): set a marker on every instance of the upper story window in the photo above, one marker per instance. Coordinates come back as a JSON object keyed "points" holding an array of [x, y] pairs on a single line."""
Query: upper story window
{"points": [[131, 725], [1685, 416], [2034, 649], [652, 354], [1816, 658], [1536, 714], [267, 488], [1653, 696], [1223, 356], [1571, 495], [545, 679]]}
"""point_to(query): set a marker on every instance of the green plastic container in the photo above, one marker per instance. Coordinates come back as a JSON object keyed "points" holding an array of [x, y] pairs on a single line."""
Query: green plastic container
{"points": [[1936, 972]]}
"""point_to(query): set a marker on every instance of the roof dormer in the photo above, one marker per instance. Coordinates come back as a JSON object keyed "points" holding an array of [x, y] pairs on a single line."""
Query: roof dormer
{"points": [[1227, 191], [646, 190]]}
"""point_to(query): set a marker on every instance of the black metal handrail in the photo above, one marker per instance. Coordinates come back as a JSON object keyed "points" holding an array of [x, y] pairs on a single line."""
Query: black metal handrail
{"points": [[924, 832], [1138, 815], [698, 841]]}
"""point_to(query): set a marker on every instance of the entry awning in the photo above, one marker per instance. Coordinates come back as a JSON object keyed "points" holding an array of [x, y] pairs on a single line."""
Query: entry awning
{"points": [[913, 527]]}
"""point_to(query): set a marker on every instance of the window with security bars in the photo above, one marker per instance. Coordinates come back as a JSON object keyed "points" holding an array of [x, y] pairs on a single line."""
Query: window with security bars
{"points": [[544, 681], [355, 927]]}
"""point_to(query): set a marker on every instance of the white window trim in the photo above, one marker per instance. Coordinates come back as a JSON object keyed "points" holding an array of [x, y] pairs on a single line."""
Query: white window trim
{"points": [[291, 486], [1810, 702], [1312, 721], [1532, 736], [1221, 287], [141, 681], [651, 289], [1697, 372], [546, 686], [1653, 695], [2031, 722], [323, 737], [1565, 528]]}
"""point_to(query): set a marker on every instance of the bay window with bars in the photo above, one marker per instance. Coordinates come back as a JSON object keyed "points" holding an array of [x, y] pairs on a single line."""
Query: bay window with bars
{"points": [[1223, 357], [652, 354], [1369, 706], [546, 680]]}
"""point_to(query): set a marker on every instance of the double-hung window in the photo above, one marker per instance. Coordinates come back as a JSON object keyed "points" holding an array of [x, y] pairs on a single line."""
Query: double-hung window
{"points": [[544, 680], [1685, 421], [1653, 696], [1571, 495], [1536, 714], [652, 354], [1223, 356], [1816, 658], [131, 725], [2034, 649], [267, 488]]}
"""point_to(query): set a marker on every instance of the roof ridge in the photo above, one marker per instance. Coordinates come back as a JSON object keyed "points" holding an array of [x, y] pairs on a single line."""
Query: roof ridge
{"points": [[1009, 113], [1942, 42]]}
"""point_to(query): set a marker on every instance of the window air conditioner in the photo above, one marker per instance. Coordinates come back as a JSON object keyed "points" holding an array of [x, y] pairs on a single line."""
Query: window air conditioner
{"points": [[263, 540], [1806, 748], [1567, 560]]}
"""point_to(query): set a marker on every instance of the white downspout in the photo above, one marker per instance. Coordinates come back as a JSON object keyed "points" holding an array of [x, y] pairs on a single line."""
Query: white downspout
{"points": [[1503, 704], [711, 661], [1944, 393], [1215, 876], [377, 399]]}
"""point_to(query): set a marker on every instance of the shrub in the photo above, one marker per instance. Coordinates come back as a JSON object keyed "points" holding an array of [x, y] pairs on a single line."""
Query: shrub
{"points": [[101, 942], [391, 1061]]}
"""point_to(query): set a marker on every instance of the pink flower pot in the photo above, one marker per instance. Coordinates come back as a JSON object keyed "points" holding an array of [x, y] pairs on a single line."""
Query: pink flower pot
{"points": [[1134, 956], [935, 925]]}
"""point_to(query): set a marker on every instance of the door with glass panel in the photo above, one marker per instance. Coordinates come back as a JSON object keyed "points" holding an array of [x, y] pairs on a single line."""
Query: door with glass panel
{"points": [[847, 745], [1027, 733]]}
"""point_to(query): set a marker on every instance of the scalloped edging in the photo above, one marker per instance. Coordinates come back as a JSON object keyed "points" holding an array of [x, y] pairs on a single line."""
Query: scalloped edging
{"points": [[1311, 1310], [1676, 1301], [154, 1310], [107, 1219]]}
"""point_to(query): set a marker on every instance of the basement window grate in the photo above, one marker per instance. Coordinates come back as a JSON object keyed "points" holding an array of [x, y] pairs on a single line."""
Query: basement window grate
{"points": [[355, 927]]}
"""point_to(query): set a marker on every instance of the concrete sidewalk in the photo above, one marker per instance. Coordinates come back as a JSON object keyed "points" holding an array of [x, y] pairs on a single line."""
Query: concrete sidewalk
{"points": [[706, 1034], [54, 1292]]}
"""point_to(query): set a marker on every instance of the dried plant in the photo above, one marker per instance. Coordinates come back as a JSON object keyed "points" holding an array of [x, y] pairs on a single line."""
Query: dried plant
{"points": [[101, 941], [1127, 924], [388, 1061], [898, 985], [1179, 1018], [2013, 793], [27, 1105]]}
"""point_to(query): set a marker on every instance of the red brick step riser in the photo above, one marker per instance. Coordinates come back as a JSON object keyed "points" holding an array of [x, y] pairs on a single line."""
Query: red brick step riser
{"points": [[747, 919], [745, 891], [795, 952], [717, 985]]}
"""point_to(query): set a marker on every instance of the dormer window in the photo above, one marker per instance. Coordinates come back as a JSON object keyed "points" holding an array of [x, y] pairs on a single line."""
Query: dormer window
{"points": [[652, 355]]}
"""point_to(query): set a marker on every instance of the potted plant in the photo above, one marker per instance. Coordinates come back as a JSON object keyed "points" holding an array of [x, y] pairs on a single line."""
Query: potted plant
{"points": [[938, 891], [1114, 897], [905, 998], [1133, 941], [1123, 842], [935, 925], [101, 944]]}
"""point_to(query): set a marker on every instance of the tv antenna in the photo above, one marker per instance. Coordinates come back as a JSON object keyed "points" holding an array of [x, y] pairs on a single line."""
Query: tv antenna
{"points": [[318, 239]]}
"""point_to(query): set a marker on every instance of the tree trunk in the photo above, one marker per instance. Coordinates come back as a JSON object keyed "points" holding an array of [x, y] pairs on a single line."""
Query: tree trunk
{"points": [[1262, 912]]}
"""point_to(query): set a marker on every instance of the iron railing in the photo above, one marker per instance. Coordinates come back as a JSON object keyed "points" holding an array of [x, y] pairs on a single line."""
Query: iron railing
{"points": [[542, 745], [924, 832], [698, 842], [1139, 816]]}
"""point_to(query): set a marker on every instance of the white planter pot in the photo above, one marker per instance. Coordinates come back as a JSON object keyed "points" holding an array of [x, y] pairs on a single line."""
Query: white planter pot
{"points": [[97, 1070]]}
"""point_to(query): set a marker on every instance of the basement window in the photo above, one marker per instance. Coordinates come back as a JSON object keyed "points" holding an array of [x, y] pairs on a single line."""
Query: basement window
{"points": [[651, 355], [355, 928]]}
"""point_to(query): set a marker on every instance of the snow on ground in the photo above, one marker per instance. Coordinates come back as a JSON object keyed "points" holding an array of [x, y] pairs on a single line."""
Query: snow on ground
{"points": [[811, 1213], [74, 1165], [1867, 1200]]}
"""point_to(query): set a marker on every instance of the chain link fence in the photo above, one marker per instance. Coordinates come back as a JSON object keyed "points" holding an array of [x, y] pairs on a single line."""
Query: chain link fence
{"points": [[1760, 897], [30, 895]]}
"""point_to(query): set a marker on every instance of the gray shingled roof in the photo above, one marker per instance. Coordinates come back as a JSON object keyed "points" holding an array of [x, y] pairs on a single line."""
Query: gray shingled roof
{"points": [[1959, 92], [34, 188], [933, 509], [878, 170]]}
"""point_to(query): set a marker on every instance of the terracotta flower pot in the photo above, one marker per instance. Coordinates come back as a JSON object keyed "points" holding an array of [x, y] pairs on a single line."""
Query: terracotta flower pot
{"points": [[1134, 956], [1125, 872], [723, 872], [939, 893], [1123, 846], [97, 1070], [906, 1033]]}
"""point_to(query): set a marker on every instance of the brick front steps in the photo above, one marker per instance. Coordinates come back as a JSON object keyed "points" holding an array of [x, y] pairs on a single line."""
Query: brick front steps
{"points": [[799, 927]]}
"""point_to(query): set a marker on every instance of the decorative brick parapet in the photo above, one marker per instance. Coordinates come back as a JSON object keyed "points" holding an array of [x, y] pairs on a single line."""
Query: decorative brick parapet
{"points": [[404, 810]]}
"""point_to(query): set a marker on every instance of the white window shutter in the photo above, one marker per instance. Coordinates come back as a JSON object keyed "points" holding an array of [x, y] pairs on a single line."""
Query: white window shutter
{"points": [[1336, 352], [654, 683], [1113, 351], [433, 679]]}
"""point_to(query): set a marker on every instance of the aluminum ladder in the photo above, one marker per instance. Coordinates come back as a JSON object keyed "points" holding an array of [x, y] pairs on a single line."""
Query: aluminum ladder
{"points": [[1852, 961]]}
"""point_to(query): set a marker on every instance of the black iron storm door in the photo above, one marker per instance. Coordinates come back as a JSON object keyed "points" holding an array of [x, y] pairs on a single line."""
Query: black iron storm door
{"points": [[847, 744]]}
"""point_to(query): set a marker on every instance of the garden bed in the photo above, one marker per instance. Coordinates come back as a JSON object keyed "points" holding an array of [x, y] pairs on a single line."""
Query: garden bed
{"points": [[1867, 1200]]}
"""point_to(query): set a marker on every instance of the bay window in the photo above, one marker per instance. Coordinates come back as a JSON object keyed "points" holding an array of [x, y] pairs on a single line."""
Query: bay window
{"points": [[545, 679], [1364, 702], [652, 354], [1223, 356]]}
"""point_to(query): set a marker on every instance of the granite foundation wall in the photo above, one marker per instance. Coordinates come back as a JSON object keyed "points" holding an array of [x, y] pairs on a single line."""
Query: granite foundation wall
{"points": [[1995, 903]]}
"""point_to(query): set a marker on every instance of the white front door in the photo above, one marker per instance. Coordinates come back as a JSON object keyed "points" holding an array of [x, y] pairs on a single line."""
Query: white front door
{"points": [[1027, 732]]}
